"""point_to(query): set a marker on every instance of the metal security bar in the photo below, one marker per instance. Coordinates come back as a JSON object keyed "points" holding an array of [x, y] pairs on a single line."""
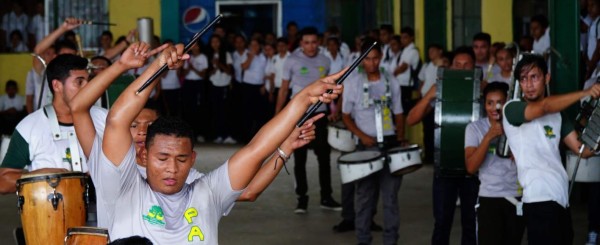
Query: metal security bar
{"points": [[93, 10]]}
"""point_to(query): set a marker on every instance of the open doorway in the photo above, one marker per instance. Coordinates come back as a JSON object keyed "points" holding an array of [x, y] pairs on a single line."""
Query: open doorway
{"points": [[248, 17]]}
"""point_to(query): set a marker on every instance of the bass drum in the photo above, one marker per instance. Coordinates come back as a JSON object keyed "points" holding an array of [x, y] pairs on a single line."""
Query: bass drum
{"points": [[357, 165], [588, 171], [51, 203]]}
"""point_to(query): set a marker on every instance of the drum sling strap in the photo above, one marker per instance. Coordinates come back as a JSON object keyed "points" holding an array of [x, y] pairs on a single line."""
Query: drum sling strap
{"points": [[382, 106], [60, 135]]}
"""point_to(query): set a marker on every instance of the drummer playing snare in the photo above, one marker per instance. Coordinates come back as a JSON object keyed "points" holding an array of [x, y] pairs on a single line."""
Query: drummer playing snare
{"points": [[370, 109]]}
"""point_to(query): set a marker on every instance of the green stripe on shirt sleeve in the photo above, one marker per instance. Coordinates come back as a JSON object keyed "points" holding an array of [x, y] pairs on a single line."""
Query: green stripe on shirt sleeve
{"points": [[17, 155], [515, 112], [566, 126]]}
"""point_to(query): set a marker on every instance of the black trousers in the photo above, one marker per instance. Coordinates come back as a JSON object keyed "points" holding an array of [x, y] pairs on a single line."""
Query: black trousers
{"points": [[254, 107], [548, 223], [172, 102], [323, 151], [498, 222]]}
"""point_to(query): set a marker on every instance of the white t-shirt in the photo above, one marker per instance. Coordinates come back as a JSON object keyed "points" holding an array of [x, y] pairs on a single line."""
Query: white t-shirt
{"points": [[220, 78], [364, 117], [278, 68], [33, 146], [33, 86], [535, 147], [301, 70], [133, 208], [170, 81], [37, 27], [593, 37], [11, 22], [499, 78], [199, 62], [238, 59], [428, 74], [410, 56], [255, 74], [498, 175], [541, 45], [337, 64], [17, 102]]}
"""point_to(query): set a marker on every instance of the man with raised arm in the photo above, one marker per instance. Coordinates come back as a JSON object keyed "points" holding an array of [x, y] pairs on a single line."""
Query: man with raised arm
{"points": [[164, 208], [535, 127]]}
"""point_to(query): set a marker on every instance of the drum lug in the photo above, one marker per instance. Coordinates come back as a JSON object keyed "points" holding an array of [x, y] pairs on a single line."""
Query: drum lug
{"points": [[20, 203], [86, 196], [408, 156], [55, 197]]}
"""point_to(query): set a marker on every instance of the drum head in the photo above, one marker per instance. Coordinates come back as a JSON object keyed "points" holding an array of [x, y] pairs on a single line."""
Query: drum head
{"points": [[87, 230], [404, 148], [43, 177], [360, 157]]}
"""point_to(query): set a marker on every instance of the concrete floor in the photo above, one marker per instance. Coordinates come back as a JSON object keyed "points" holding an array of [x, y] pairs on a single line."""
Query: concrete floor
{"points": [[270, 220]]}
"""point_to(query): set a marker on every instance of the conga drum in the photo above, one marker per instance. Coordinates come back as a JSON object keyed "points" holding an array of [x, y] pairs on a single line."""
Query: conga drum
{"points": [[86, 235], [51, 203]]}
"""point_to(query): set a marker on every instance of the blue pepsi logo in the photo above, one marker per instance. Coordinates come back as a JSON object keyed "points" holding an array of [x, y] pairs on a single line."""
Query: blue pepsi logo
{"points": [[195, 18]]}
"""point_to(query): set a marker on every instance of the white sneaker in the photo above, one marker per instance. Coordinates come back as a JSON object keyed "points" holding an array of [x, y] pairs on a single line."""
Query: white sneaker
{"points": [[200, 139], [229, 140], [592, 238], [218, 140]]}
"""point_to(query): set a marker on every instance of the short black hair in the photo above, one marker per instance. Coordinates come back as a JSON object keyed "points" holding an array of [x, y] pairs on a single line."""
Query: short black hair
{"points": [[309, 30], [169, 126], [108, 62], [18, 33], [528, 62], [60, 68], [367, 43], [292, 23], [64, 44], [396, 38], [387, 27], [540, 19], [11, 83], [464, 50], [408, 30], [133, 240], [282, 40], [107, 33], [436, 46], [334, 39], [482, 36], [495, 87]]}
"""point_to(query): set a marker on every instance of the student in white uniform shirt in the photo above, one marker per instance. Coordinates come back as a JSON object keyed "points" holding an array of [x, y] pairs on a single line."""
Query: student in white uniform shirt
{"points": [[504, 59], [158, 215], [407, 69], [593, 46], [356, 51], [428, 73], [334, 55], [37, 25], [278, 61], [535, 127], [220, 71], [497, 218], [253, 89], [193, 92], [16, 19], [540, 31], [386, 32], [12, 108]]}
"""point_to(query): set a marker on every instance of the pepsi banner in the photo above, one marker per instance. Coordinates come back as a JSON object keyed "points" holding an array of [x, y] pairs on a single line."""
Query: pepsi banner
{"points": [[194, 16]]}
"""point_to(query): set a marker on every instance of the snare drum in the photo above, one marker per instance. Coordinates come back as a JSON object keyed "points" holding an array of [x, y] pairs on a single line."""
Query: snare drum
{"points": [[4, 146], [86, 235], [404, 160], [360, 164], [588, 171], [340, 138], [49, 204]]}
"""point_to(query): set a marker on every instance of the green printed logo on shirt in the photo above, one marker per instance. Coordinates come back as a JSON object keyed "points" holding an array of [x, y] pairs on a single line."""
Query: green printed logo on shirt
{"points": [[155, 216], [303, 70], [549, 132]]}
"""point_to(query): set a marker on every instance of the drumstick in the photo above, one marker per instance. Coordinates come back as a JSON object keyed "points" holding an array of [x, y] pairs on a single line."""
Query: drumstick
{"points": [[89, 22], [187, 47], [314, 107]]}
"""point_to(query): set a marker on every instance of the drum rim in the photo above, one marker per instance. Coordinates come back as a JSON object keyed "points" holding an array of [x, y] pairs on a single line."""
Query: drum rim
{"points": [[40, 177], [87, 230], [403, 148], [379, 157]]}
